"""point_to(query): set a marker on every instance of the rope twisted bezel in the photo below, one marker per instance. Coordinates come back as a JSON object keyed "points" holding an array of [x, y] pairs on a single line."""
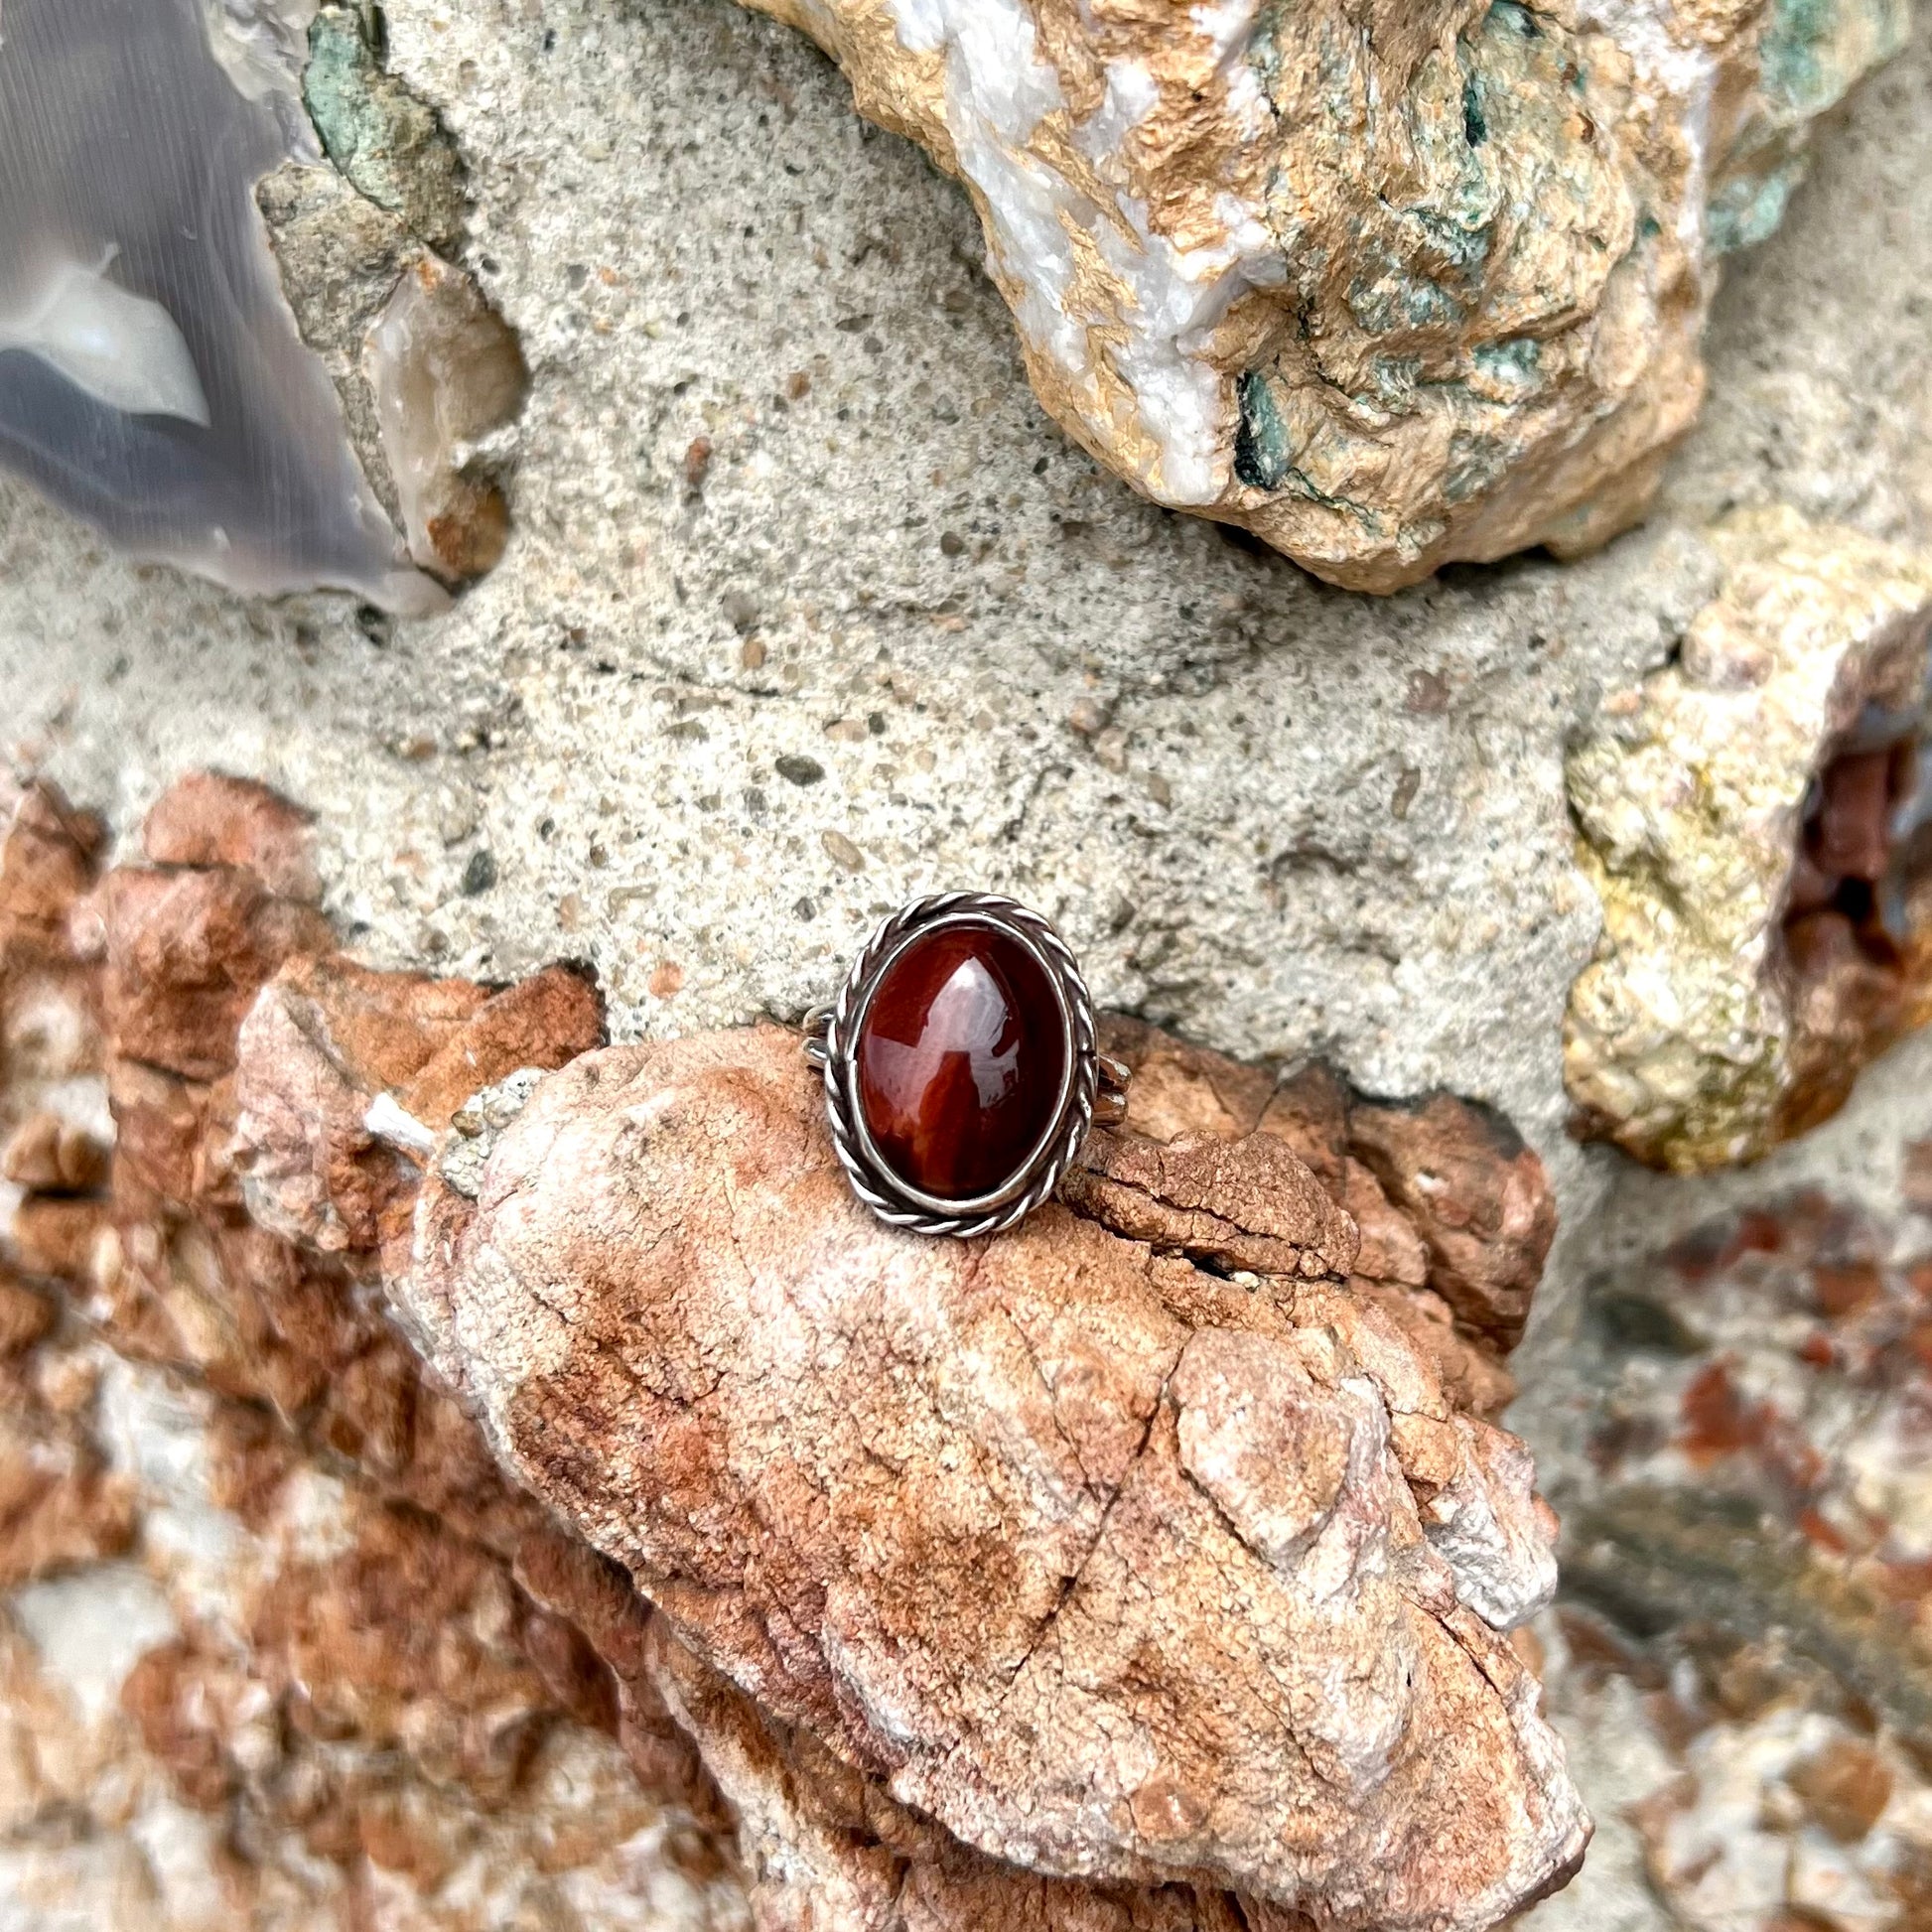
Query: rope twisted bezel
{"points": [[1036, 1180]]}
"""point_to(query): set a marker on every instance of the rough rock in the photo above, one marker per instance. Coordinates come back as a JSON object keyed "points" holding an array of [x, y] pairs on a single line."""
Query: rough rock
{"points": [[1470, 1202], [827, 1848], [187, 952], [386, 143], [430, 377], [50, 999], [243, 1688], [329, 1040], [211, 819], [1754, 1565], [283, 1639], [966, 1512], [1388, 290], [1766, 1470], [244, 1467], [1750, 818]]}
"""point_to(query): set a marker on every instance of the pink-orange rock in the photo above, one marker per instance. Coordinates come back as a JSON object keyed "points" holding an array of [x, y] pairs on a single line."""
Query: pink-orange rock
{"points": [[1180, 1091], [1475, 1195], [1124, 1413], [187, 952], [209, 819], [47, 861], [1114, 1566], [327, 1037], [1244, 1204]]}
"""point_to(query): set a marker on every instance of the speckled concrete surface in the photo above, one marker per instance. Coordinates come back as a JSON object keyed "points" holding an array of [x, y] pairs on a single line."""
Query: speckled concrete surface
{"points": [[902, 636]]}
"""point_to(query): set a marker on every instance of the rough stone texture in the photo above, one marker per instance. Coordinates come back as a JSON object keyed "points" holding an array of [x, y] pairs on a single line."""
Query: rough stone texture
{"points": [[1388, 289], [242, 1689], [280, 1646], [973, 1514], [1750, 817], [391, 1683], [1750, 1578], [430, 377], [322, 1163]]}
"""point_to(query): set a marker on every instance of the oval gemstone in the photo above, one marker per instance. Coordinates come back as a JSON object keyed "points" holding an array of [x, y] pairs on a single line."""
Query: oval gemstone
{"points": [[959, 1061]]}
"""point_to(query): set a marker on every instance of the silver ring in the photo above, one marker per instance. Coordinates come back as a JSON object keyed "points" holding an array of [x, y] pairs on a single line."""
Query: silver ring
{"points": [[1011, 992]]}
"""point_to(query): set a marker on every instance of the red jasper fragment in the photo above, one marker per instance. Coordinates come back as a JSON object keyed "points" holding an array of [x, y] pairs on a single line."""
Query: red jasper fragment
{"points": [[961, 1055]]}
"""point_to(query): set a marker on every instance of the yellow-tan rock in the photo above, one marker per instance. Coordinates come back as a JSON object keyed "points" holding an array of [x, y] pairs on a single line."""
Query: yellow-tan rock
{"points": [[1750, 818]]}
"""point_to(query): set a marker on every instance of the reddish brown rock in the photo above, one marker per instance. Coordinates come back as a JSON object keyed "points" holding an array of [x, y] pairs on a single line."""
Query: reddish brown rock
{"points": [[187, 953], [48, 856], [322, 1163], [55, 1234], [25, 1317], [444, 1650], [209, 820], [1244, 1203], [50, 1002], [963, 1512], [1474, 1194], [1409, 1261]]}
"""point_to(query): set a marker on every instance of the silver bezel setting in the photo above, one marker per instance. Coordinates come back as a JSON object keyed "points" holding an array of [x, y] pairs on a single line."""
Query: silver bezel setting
{"points": [[836, 1030]]}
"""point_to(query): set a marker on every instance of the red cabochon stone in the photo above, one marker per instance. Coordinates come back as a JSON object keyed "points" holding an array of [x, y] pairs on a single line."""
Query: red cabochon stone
{"points": [[959, 1060]]}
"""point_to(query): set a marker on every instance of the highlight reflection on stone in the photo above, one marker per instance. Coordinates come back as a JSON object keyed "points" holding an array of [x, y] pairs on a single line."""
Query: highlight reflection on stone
{"points": [[960, 1058], [1752, 820], [151, 377]]}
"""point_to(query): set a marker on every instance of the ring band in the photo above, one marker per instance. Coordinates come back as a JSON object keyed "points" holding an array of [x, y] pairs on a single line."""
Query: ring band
{"points": [[961, 1067]]}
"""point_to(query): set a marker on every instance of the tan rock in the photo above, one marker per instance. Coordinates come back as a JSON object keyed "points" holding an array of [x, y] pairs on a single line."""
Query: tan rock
{"points": [[446, 374], [54, 1155], [971, 1515], [1749, 817], [1388, 289]]}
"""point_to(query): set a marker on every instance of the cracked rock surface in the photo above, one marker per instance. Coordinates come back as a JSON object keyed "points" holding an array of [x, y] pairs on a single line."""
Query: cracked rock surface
{"points": [[974, 1515], [982, 1506]]}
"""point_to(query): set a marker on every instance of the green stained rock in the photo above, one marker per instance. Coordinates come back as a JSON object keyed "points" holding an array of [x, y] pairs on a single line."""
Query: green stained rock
{"points": [[389, 144], [1262, 456], [1812, 54]]}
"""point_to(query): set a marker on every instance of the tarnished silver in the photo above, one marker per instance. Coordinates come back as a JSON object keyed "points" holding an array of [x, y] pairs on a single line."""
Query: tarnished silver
{"points": [[1092, 1085]]}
